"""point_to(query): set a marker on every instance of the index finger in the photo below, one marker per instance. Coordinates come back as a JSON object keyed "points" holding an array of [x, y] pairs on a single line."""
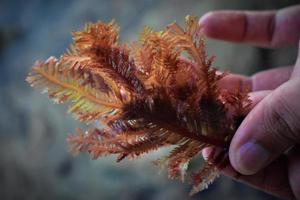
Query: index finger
{"points": [[262, 28]]}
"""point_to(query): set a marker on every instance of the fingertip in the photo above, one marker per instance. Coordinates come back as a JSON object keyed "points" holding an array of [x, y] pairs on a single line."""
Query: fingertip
{"points": [[223, 25], [249, 158], [212, 24], [210, 152], [233, 158], [206, 23], [246, 154], [266, 131], [206, 152]]}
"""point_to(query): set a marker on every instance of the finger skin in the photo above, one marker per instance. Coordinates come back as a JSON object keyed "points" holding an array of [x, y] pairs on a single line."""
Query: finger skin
{"points": [[271, 79], [265, 28], [273, 179], [273, 124], [264, 80], [294, 170], [281, 178], [268, 130], [255, 97], [232, 81], [296, 72], [258, 96]]}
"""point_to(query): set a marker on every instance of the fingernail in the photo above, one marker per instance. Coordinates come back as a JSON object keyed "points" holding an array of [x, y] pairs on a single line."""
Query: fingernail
{"points": [[251, 157]]}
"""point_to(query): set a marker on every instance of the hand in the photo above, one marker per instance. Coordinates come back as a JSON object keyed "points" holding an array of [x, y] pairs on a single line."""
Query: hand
{"points": [[265, 151]]}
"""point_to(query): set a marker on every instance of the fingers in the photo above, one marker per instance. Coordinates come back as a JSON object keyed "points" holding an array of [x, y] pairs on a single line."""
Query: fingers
{"points": [[294, 170], [271, 79], [255, 97], [265, 80], [296, 72], [266, 29], [273, 179], [232, 81], [269, 130]]}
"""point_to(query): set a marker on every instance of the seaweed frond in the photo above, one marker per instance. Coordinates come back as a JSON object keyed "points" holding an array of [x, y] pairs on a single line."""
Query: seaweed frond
{"points": [[159, 91], [87, 101]]}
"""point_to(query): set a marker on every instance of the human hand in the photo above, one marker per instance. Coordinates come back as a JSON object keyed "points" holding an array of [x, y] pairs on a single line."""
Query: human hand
{"points": [[265, 151]]}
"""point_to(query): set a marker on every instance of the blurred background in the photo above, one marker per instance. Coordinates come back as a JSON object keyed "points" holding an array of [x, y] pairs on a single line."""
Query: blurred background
{"points": [[34, 158]]}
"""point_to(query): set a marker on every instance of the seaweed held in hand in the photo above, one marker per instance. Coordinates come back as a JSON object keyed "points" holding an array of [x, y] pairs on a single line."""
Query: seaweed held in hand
{"points": [[160, 91]]}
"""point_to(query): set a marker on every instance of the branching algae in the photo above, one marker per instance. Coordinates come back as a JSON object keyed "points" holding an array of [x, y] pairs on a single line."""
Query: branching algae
{"points": [[157, 92]]}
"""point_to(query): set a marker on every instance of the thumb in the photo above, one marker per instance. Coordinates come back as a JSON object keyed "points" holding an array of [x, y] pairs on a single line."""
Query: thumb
{"points": [[270, 129]]}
